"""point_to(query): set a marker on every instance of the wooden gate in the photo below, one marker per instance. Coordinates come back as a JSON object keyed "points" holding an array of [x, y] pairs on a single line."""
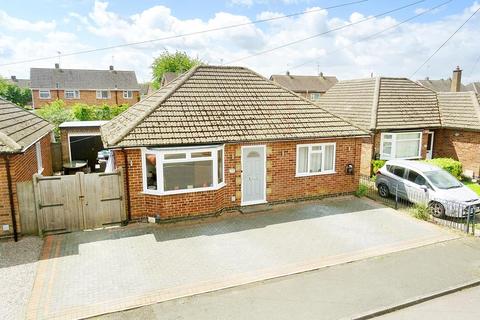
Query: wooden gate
{"points": [[78, 202]]}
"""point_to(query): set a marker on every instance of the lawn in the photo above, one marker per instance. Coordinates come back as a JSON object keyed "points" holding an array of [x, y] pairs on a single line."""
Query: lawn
{"points": [[474, 186]]}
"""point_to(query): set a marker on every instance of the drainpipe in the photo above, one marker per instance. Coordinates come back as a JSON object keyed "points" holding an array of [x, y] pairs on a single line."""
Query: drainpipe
{"points": [[127, 180], [12, 202]]}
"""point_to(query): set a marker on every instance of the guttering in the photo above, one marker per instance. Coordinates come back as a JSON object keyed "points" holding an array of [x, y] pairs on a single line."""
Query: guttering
{"points": [[127, 180], [10, 194]]}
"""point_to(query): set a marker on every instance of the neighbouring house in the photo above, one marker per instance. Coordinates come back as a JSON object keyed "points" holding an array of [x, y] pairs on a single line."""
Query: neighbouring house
{"points": [[401, 114], [98, 87], [474, 86], [221, 137], [81, 140], [146, 88], [310, 87], [24, 150], [21, 83], [168, 77], [459, 137], [453, 84]]}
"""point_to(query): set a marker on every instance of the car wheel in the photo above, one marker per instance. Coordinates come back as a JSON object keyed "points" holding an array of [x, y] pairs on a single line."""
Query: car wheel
{"points": [[383, 190], [437, 209]]}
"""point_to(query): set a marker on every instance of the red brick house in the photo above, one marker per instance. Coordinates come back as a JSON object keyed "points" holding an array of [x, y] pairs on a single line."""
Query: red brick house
{"points": [[24, 150], [223, 137], [310, 87], [113, 87]]}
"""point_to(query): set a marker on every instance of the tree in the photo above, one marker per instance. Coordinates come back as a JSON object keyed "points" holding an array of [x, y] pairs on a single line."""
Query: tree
{"points": [[56, 113], [177, 62], [15, 94]]}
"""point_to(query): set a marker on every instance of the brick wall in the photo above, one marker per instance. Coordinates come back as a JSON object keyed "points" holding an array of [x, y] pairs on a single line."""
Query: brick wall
{"points": [[460, 145], [22, 167], [86, 96], [282, 184]]}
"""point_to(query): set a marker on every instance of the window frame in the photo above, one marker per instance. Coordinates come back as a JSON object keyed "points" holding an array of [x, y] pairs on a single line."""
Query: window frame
{"points": [[100, 96], [394, 140], [38, 154], [318, 95], [44, 90], [76, 94], [310, 151], [160, 160], [127, 95]]}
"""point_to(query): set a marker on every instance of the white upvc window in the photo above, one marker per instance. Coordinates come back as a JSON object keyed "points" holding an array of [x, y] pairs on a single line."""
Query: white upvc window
{"points": [[127, 94], [103, 94], [315, 96], [44, 94], [38, 151], [72, 94], [401, 145], [182, 170], [315, 159]]}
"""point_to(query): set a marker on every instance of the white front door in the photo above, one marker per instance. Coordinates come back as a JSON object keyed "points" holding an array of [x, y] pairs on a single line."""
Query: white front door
{"points": [[253, 175], [430, 145]]}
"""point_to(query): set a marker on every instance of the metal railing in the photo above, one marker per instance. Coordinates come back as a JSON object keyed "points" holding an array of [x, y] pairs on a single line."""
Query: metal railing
{"points": [[457, 215]]}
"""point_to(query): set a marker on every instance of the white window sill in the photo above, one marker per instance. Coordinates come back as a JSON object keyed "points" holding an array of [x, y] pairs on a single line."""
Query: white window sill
{"points": [[45, 98], [172, 192], [299, 175]]}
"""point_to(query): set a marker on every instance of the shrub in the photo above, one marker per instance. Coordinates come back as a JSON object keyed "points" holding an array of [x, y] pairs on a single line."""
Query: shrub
{"points": [[361, 191], [56, 113], [452, 166], [421, 211], [376, 165]]}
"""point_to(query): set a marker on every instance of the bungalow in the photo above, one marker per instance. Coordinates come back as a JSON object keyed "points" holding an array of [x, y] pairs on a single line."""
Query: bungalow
{"points": [[310, 87], [223, 137], [24, 150], [401, 114], [110, 86]]}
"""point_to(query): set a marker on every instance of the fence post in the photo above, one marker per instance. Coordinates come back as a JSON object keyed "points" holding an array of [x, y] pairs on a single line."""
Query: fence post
{"points": [[396, 196], [468, 220]]}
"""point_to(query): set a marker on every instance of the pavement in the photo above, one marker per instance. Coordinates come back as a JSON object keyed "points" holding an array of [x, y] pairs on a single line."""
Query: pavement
{"points": [[460, 305], [344, 291], [90, 273], [18, 264]]}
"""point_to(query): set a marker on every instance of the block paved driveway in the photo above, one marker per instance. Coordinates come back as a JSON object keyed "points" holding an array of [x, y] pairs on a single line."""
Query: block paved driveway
{"points": [[89, 273]]}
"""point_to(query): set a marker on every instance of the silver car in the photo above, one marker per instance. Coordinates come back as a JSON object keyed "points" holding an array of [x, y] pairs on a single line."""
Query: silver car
{"points": [[419, 182]]}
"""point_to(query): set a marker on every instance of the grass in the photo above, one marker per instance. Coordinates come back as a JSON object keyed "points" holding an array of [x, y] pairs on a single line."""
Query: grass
{"points": [[474, 186]]}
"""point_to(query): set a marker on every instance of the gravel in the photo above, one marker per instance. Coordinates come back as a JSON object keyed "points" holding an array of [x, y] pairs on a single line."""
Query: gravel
{"points": [[18, 267]]}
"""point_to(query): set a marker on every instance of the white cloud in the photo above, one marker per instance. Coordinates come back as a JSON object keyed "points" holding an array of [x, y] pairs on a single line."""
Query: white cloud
{"points": [[17, 24], [397, 52]]}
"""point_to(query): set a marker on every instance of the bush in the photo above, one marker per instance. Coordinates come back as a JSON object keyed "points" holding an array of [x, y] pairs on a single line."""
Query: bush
{"points": [[361, 191], [56, 113], [452, 166], [85, 112], [376, 165], [421, 211]]}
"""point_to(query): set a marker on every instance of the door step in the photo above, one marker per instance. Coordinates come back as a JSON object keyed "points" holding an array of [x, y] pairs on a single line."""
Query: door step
{"points": [[256, 208]]}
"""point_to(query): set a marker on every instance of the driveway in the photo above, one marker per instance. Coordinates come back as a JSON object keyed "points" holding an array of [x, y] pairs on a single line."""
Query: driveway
{"points": [[89, 273]]}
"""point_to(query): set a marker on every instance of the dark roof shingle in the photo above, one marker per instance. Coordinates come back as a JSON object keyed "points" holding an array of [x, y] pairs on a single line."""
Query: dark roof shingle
{"points": [[305, 83], [211, 104]]}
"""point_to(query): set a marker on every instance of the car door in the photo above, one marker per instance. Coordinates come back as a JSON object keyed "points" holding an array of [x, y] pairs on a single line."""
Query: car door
{"points": [[397, 181], [416, 187]]}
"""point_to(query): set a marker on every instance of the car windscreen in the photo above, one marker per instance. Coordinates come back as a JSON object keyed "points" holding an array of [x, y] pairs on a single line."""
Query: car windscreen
{"points": [[442, 179]]}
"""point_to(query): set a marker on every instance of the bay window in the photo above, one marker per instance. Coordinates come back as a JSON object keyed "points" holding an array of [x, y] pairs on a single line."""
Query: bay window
{"points": [[314, 159], [181, 170], [400, 145]]}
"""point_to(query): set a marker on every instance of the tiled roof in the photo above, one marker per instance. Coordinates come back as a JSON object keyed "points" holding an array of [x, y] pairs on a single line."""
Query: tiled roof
{"points": [[304, 83], [459, 110], [440, 85], [19, 128], [211, 104], [383, 103], [21, 83], [46, 78], [474, 86]]}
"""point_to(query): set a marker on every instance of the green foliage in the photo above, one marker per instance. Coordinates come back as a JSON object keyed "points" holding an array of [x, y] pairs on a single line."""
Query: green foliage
{"points": [[85, 112], [56, 113], [361, 191], [376, 165], [177, 62], [15, 94], [473, 185], [448, 164], [421, 211]]}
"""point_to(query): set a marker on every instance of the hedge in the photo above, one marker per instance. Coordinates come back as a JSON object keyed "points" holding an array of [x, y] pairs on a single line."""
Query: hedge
{"points": [[448, 164], [376, 165]]}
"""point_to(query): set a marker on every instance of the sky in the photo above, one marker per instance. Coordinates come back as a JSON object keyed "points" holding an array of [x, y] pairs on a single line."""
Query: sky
{"points": [[38, 29]]}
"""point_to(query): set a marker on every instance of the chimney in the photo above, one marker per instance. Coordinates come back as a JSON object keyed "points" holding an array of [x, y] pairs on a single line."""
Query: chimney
{"points": [[57, 65], [427, 78], [321, 74], [288, 73], [14, 78], [456, 80], [110, 68]]}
